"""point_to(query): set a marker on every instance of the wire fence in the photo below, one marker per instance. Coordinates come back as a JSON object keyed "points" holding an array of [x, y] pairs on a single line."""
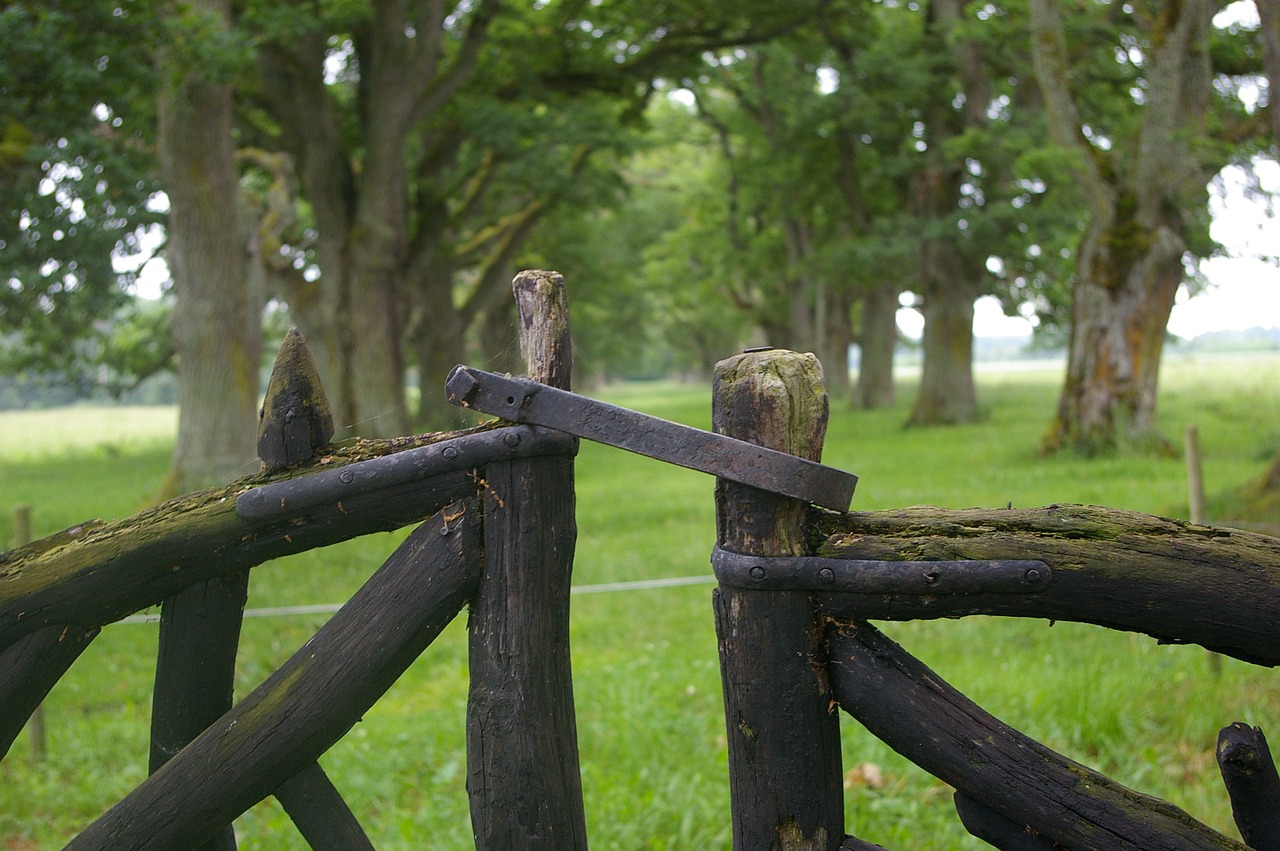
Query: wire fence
{"points": [[330, 608]]}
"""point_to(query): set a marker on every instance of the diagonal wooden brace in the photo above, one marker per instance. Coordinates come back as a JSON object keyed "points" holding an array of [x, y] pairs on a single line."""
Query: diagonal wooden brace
{"points": [[523, 401]]}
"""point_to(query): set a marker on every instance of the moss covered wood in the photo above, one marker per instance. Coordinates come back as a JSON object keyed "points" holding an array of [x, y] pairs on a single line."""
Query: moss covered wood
{"points": [[96, 573], [311, 701], [1175, 581], [914, 711], [523, 775], [200, 624], [784, 742]]}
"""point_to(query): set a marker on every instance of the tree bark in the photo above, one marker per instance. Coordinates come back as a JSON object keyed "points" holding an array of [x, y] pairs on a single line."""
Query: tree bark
{"points": [[216, 320], [1129, 262], [947, 394], [950, 279], [877, 339]]}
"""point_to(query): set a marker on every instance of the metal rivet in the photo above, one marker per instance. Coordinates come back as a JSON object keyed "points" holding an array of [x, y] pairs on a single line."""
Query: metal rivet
{"points": [[511, 439], [757, 572], [1033, 575], [450, 452], [346, 477], [827, 575]]}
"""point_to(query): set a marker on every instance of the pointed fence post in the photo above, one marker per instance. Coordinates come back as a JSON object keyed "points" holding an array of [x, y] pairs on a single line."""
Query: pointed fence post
{"points": [[522, 743], [785, 774], [200, 625]]}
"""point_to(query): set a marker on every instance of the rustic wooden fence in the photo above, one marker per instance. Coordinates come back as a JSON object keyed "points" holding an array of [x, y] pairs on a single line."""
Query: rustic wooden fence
{"points": [[495, 512]]}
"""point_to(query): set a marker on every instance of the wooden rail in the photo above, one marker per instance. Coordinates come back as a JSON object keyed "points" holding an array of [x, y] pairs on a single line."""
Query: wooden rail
{"points": [[495, 514]]}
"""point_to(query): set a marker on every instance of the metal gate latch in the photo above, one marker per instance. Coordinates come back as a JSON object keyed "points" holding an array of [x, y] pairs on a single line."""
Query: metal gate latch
{"points": [[522, 400]]}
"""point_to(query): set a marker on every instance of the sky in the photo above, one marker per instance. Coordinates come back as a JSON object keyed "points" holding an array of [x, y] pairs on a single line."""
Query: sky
{"points": [[1244, 289]]}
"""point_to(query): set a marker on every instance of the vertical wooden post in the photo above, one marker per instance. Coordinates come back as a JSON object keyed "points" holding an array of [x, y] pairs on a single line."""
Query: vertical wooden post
{"points": [[522, 743], [1195, 478], [35, 724], [784, 739]]}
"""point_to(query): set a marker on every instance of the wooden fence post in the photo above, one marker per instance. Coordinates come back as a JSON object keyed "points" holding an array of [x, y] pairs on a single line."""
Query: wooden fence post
{"points": [[522, 746], [784, 739]]}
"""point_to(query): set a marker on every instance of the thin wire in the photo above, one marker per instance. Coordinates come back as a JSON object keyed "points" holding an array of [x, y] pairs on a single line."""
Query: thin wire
{"points": [[330, 608]]}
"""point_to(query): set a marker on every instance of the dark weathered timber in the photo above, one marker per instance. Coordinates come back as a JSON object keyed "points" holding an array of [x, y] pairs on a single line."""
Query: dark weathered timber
{"points": [[296, 422], [858, 576], [525, 401], [853, 843], [542, 302], [522, 744], [784, 741], [311, 701], [1175, 581], [195, 662], [998, 831], [918, 714], [1251, 780], [466, 452], [97, 573], [196, 668], [29, 668], [319, 812]]}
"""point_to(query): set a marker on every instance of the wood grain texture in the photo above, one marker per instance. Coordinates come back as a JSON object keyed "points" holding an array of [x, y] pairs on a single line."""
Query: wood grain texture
{"points": [[29, 668], [1252, 782], [784, 741], [96, 573], [311, 701], [523, 775], [1175, 581], [918, 714]]}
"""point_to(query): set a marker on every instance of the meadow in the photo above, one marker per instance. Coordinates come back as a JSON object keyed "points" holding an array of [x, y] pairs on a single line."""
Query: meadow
{"points": [[651, 729]]}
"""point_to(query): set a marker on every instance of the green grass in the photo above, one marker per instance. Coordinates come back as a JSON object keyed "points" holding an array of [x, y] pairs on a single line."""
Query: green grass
{"points": [[647, 686]]}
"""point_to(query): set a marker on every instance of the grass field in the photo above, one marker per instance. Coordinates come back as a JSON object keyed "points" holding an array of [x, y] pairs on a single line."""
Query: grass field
{"points": [[648, 693]]}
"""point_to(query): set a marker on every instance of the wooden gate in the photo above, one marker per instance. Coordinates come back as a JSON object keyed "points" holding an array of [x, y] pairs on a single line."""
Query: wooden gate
{"points": [[494, 508]]}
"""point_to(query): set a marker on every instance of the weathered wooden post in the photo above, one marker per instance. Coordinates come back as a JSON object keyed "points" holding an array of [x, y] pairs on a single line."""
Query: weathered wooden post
{"points": [[522, 747], [783, 732], [200, 625]]}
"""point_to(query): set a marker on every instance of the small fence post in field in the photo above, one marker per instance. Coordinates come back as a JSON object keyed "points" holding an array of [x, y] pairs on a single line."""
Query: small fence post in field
{"points": [[1195, 479], [784, 739], [1195, 503], [523, 774], [35, 724]]}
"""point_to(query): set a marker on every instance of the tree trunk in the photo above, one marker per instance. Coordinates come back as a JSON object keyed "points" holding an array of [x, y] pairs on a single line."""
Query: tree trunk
{"points": [[947, 395], [1121, 305], [837, 336], [877, 339], [216, 320], [1129, 263]]}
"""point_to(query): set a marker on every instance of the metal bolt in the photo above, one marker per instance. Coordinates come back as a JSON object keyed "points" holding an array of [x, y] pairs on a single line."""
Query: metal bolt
{"points": [[827, 575], [346, 477], [1033, 575], [511, 439], [450, 452], [757, 572]]}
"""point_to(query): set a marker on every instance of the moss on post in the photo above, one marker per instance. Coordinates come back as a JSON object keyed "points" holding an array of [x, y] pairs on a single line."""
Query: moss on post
{"points": [[784, 743]]}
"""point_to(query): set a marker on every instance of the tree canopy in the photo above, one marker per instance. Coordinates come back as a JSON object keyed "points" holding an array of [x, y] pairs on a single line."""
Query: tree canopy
{"points": [[706, 175]]}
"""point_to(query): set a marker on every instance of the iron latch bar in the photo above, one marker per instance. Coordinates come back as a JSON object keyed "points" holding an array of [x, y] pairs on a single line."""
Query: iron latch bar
{"points": [[857, 576], [522, 400]]}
